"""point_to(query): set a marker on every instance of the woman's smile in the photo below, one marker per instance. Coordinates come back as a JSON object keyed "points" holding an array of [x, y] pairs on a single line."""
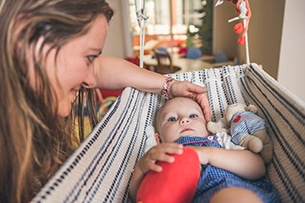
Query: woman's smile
{"points": [[74, 93]]}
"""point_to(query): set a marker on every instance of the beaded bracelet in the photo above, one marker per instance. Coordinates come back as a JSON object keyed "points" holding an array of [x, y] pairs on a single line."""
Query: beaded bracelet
{"points": [[164, 91]]}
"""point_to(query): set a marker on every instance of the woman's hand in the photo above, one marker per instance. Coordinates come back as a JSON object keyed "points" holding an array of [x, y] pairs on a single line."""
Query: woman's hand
{"points": [[198, 93], [125, 74]]}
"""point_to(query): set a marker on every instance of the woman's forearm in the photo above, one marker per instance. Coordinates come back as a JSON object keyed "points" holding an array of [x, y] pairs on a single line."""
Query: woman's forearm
{"points": [[115, 73]]}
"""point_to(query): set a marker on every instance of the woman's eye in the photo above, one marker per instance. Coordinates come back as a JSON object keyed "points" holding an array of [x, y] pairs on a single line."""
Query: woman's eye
{"points": [[193, 116], [91, 58], [171, 119]]}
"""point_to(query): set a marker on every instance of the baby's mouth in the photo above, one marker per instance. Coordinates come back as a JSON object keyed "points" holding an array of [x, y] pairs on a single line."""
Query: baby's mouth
{"points": [[186, 129]]}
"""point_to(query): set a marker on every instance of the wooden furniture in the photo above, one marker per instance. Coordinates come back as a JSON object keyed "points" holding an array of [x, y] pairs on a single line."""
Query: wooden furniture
{"points": [[164, 62], [185, 64]]}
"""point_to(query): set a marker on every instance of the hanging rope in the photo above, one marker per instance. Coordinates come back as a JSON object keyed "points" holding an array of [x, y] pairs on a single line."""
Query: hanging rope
{"points": [[141, 17]]}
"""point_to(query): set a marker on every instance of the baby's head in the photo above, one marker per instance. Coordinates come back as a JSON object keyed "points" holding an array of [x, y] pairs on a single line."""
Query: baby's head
{"points": [[178, 117]]}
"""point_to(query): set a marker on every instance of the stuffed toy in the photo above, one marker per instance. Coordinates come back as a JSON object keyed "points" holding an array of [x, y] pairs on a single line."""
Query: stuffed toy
{"points": [[177, 182], [246, 128]]}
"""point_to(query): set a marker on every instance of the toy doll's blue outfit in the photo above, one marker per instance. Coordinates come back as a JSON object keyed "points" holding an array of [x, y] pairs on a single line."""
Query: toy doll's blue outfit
{"points": [[245, 123], [213, 179]]}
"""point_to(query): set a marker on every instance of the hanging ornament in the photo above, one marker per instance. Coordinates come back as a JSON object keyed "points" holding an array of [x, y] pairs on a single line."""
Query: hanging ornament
{"points": [[243, 8]]}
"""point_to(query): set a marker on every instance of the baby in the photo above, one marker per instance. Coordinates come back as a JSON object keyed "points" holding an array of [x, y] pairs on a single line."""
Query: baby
{"points": [[226, 175]]}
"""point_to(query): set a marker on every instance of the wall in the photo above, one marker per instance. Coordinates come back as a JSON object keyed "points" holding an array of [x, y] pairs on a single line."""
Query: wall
{"points": [[115, 42], [224, 37], [264, 33], [291, 65]]}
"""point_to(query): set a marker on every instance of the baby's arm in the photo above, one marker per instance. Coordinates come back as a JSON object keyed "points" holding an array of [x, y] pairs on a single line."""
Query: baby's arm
{"points": [[243, 163], [148, 162]]}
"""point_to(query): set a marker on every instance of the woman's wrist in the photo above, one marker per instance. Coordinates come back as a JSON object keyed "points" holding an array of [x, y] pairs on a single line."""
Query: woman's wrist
{"points": [[165, 92]]}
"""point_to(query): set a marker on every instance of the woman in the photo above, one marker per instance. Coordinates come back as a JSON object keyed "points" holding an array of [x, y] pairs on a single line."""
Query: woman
{"points": [[50, 61]]}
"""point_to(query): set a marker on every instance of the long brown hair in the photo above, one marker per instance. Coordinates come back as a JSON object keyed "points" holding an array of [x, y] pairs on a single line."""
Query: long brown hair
{"points": [[34, 140]]}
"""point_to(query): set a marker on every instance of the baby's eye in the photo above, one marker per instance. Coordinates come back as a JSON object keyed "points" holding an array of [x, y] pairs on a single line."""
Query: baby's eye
{"points": [[193, 115], [171, 119]]}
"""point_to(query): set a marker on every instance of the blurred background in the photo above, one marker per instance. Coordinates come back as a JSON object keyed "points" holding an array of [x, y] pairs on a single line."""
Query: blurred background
{"points": [[276, 33]]}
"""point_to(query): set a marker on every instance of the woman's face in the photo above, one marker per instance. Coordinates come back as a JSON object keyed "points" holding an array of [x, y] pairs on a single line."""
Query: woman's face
{"points": [[74, 64]]}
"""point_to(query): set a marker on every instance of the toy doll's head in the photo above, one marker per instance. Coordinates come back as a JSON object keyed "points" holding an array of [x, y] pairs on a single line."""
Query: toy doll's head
{"points": [[238, 107]]}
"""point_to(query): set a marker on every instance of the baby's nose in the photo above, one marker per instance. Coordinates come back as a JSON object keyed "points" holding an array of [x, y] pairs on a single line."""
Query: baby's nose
{"points": [[184, 120]]}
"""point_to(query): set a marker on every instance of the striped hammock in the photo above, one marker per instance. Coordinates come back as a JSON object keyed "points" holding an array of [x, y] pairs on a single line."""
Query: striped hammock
{"points": [[100, 170]]}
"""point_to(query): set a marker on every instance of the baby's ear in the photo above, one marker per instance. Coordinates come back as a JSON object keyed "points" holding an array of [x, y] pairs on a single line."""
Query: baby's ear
{"points": [[157, 137]]}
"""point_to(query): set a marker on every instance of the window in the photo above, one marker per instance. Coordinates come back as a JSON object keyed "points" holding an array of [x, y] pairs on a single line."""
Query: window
{"points": [[167, 24]]}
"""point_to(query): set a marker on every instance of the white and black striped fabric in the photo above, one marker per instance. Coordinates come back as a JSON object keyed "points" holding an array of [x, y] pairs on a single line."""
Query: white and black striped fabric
{"points": [[101, 168]]}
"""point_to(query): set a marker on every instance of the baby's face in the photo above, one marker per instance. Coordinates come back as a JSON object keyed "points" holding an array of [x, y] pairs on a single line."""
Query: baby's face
{"points": [[180, 117]]}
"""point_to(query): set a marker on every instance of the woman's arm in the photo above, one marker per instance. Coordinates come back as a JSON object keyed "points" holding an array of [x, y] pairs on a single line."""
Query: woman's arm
{"points": [[148, 162], [243, 163], [115, 73]]}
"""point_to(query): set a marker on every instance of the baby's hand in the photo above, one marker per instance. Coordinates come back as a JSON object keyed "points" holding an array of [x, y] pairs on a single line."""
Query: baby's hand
{"points": [[160, 152]]}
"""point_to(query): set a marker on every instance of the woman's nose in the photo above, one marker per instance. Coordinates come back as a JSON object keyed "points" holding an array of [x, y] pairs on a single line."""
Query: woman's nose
{"points": [[184, 120], [90, 80]]}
